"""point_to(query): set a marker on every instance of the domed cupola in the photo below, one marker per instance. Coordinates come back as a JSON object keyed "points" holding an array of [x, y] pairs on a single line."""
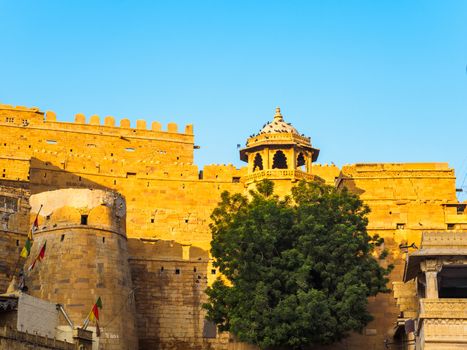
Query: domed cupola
{"points": [[278, 152], [278, 125]]}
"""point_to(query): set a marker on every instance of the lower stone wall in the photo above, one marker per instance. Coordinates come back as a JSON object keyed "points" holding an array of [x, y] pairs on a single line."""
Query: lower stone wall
{"points": [[169, 293], [15, 340], [10, 245]]}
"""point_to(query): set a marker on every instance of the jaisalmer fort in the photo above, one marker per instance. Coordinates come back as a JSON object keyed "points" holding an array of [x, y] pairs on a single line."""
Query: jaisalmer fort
{"points": [[125, 213]]}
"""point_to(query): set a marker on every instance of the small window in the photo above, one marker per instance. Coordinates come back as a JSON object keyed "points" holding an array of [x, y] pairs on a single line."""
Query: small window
{"points": [[17, 243], [460, 209], [84, 219], [152, 220], [177, 271], [129, 174], [400, 226], [194, 269], [213, 271], [162, 268], [129, 149], [103, 239], [47, 217], [236, 179], [62, 238], [451, 226], [51, 142]]}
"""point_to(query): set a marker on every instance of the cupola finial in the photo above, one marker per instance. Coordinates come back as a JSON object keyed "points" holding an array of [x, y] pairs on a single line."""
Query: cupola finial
{"points": [[278, 115]]}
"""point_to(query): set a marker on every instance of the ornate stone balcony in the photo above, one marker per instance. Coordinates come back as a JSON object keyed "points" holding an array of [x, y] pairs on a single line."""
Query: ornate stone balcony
{"points": [[442, 324], [443, 308], [278, 174]]}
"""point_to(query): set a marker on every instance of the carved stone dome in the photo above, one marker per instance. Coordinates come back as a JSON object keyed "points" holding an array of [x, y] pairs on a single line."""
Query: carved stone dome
{"points": [[278, 125]]}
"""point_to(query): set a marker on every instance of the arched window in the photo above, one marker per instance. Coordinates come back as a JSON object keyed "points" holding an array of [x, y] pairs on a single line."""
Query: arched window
{"points": [[301, 162], [279, 160], [258, 162]]}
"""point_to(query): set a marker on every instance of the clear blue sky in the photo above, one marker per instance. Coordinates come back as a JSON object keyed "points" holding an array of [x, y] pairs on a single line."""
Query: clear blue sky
{"points": [[369, 81]]}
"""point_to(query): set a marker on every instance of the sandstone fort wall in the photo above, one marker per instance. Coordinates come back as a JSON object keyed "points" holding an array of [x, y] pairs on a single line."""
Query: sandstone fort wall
{"points": [[168, 206]]}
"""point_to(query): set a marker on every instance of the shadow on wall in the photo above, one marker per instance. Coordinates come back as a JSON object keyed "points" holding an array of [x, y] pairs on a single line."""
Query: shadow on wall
{"points": [[45, 176], [351, 185]]}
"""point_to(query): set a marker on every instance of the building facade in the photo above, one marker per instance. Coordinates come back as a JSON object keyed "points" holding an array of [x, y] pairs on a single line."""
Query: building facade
{"points": [[127, 214]]}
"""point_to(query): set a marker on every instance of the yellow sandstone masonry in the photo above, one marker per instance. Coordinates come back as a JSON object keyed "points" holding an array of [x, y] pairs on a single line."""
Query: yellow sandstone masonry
{"points": [[158, 253]]}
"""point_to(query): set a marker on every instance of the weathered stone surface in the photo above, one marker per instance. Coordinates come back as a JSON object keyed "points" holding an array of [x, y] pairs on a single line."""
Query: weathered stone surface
{"points": [[168, 204]]}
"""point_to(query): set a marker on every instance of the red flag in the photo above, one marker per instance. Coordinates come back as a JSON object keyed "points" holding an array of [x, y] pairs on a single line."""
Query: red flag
{"points": [[95, 311], [42, 252], [39, 257]]}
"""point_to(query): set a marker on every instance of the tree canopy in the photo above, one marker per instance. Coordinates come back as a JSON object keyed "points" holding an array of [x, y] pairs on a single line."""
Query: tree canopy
{"points": [[298, 270]]}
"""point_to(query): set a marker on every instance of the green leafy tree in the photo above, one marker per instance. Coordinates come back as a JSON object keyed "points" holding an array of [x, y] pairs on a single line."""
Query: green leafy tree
{"points": [[298, 270]]}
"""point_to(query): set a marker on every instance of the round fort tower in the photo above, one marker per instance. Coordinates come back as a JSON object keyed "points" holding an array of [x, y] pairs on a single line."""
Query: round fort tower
{"points": [[86, 257]]}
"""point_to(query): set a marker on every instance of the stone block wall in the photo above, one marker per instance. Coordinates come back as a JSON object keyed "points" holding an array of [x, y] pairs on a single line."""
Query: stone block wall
{"points": [[169, 281], [14, 225]]}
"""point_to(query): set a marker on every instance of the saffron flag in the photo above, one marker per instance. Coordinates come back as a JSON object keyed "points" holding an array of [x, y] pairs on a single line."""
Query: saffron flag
{"points": [[26, 249], [27, 246]]}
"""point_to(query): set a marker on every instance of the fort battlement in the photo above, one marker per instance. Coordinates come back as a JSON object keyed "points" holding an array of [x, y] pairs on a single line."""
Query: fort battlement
{"points": [[33, 117]]}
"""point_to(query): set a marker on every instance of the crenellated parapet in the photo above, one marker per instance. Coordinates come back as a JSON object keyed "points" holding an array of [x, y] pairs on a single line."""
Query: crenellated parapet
{"points": [[30, 117], [141, 128], [91, 146]]}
